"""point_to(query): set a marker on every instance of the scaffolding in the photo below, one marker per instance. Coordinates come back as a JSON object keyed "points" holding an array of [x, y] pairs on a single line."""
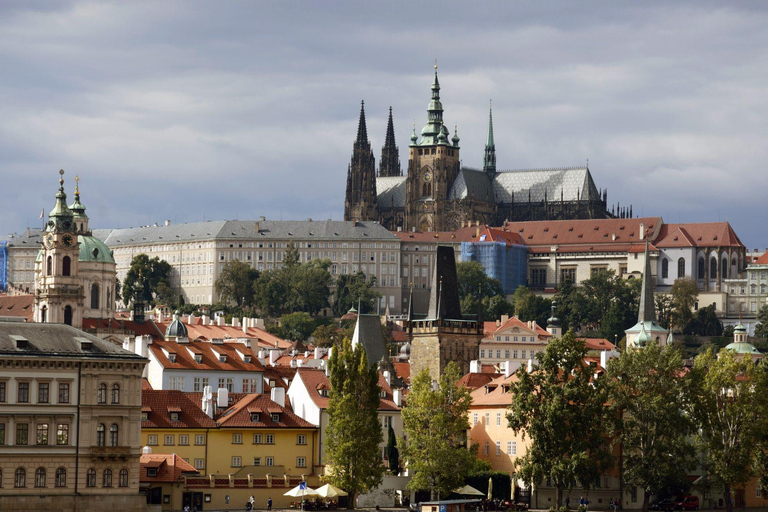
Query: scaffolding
{"points": [[507, 263], [3, 265]]}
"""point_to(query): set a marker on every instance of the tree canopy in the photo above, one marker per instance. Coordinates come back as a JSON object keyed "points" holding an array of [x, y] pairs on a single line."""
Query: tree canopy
{"points": [[435, 424], [353, 434], [684, 293], [235, 283], [353, 290], [761, 329], [153, 277], [651, 399], [561, 407], [529, 306]]}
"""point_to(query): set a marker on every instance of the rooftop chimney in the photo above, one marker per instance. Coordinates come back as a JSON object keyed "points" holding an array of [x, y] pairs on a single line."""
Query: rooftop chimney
{"points": [[475, 366], [397, 397], [277, 395]]}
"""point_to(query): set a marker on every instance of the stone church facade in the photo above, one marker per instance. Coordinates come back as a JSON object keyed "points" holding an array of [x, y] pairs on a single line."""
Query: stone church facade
{"points": [[439, 194]]}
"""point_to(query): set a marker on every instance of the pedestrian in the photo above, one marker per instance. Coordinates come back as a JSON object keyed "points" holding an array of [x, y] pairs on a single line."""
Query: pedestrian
{"points": [[269, 503], [610, 503], [568, 502], [581, 501], [586, 503]]}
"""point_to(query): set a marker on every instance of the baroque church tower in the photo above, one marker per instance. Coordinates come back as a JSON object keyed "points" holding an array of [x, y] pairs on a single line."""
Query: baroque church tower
{"points": [[360, 203], [433, 164], [59, 296]]}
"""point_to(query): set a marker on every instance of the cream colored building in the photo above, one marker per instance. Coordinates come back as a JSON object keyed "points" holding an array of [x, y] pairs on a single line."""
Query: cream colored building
{"points": [[69, 420], [513, 340]]}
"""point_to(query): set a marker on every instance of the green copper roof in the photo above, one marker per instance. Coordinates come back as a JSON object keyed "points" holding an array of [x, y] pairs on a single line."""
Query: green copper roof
{"points": [[434, 132], [93, 249], [743, 348], [61, 209]]}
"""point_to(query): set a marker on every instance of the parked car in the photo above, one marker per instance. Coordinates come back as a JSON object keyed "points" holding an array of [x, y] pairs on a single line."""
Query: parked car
{"points": [[665, 505], [688, 503]]}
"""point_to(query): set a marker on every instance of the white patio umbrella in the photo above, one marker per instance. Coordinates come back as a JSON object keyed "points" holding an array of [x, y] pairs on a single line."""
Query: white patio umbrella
{"points": [[329, 491], [300, 491], [468, 490]]}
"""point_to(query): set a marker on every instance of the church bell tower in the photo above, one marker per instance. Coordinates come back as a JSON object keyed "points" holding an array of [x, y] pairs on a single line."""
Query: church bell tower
{"points": [[361, 199], [59, 296]]}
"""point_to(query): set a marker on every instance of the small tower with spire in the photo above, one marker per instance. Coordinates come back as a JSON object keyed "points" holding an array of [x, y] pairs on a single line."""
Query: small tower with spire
{"points": [[389, 165], [489, 159], [646, 330], [361, 199]]}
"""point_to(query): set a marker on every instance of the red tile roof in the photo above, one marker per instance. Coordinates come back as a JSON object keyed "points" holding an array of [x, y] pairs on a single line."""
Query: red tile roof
{"points": [[170, 467], [208, 332], [582, 234], [499, 235], [701, 234], [21, 306], [118, 324], [516, 322], [598, 344], [465, 234], [210, 356], [156, 402], [239, 415], [763, 259], [403, 370], [473, 381], [494, 393], [315, 380]]}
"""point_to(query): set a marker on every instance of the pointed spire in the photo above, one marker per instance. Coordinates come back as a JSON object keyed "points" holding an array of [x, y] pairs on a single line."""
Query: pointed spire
{"points": [[77, 207], [362, 131], [489, 159], [389, 165], [489, 140], [647, 311]]}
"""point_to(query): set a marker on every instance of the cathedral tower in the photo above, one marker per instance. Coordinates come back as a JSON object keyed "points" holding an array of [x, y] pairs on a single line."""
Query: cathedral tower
{"points": [[58, 294], [389, 165], [360, 203], [433, 164], [489, 160]]}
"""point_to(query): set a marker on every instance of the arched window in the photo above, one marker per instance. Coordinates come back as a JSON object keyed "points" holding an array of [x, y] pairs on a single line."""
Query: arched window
{"points": [[724, 269], [90, 478], [115, 393], [94, 296], [123, 478], [100, 433], [664, 268], [20, 479], [44, 314], [113, 435], [713, 269], [40, 477], [68, 315], [66, 266], [702, 268], [49, 266], [681, 268], [107, 478], [102, 394], [61, 477]]}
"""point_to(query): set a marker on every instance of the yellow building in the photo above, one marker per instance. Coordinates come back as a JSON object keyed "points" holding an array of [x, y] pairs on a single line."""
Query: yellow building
{"points": [[250, 442]]}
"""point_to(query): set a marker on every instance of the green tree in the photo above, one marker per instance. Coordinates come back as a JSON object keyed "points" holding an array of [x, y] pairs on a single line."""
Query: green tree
{"points": [[730, 409], [761, 328], [149, 273], [664, 310], [309, 286], [327, 336], [354, 289], [684, 293], [650, 397], [354, 431], [393, 455], [297, 326], [496, 306], [529, 306], [435, 424], [561, 407], [236, 282], [473, 279], [705, 323]]}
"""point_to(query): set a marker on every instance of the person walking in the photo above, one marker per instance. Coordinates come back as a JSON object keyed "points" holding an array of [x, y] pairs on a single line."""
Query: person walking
{"points": [[269, 503]]}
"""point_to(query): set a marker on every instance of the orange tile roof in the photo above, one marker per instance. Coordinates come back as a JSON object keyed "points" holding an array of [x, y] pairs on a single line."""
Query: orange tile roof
{"points": [[21, 306], [598, 344], [157, 401], [403, 370], [209, 332], [516, 322], [584, 233], [763, 259], [139, 329], [494, 393], [473, 381], [678, 237], [703, 234], [145, 385], [210, 359], [499, 235], [239, 415], [170, 467], [315, 380], [465, 234]]}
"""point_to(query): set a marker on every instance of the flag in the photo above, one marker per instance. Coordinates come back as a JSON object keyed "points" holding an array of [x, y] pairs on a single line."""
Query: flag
{"points": [[42, 213], [303, 486]]}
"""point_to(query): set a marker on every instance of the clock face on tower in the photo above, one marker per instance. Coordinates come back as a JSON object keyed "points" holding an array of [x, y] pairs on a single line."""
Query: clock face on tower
{"points": [[427, 177], [48, 240], [67, 240]]}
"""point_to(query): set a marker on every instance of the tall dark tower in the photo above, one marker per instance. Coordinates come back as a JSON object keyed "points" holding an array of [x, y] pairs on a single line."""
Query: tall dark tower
{"points": [[489, 160], [389, 165], [360, 203]]}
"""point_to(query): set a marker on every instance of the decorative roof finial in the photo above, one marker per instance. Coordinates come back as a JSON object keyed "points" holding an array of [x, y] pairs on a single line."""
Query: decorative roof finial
{"points": [[61, 179], [77, 185], [435, 64]]}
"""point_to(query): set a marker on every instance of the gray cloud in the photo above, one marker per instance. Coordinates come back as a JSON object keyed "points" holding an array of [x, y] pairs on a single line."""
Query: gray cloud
{"points": [[203, 110]]}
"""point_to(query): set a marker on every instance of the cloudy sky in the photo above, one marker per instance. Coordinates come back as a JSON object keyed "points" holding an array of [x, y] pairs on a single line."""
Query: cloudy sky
{"points": [[194, 111]]}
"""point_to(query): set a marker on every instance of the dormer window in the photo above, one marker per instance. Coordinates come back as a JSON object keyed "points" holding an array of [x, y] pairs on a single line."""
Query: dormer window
{"points": [[174, 416], [145, 416], [255, 417], [383, 394], [322, 392], [223, 358], [172, 357], [275, 417], [151, 471], [247, 359], [198, 358]]}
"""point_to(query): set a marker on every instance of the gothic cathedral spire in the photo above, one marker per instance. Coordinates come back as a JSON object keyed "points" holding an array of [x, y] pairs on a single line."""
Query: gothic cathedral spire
{"points": [[489, 160], [389, 165], [360, 203]]}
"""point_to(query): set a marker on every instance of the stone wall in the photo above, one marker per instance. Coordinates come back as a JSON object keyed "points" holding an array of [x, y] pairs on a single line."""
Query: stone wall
{"points": [[87, 503]]}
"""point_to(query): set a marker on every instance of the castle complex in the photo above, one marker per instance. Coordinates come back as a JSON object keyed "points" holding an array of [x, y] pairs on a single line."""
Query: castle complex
{"points": [[439, 194]]}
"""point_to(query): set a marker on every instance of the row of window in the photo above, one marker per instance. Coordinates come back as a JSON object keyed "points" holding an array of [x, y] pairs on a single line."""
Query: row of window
{"points": [[237, 438], [23, 395], [487, 419], [41, 433], [515, 338], [523, 354], [60, 478], [237, 462], [511, 448]]}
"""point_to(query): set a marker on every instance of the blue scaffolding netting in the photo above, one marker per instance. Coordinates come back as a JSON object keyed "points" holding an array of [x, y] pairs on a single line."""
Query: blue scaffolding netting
{"points": [[3, 265], [507, 263]]}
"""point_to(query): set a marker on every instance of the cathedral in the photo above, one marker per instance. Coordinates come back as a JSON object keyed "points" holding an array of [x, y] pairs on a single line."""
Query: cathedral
{"points": [[439, 194]]}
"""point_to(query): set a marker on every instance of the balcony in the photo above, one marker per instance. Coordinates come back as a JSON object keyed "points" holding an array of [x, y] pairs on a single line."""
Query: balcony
{"points": [[110, 453]]}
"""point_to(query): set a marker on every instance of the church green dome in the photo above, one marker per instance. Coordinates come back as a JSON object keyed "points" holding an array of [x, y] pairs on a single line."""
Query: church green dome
{"points": [[743, 348], [176, 328], [94, 250]]}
